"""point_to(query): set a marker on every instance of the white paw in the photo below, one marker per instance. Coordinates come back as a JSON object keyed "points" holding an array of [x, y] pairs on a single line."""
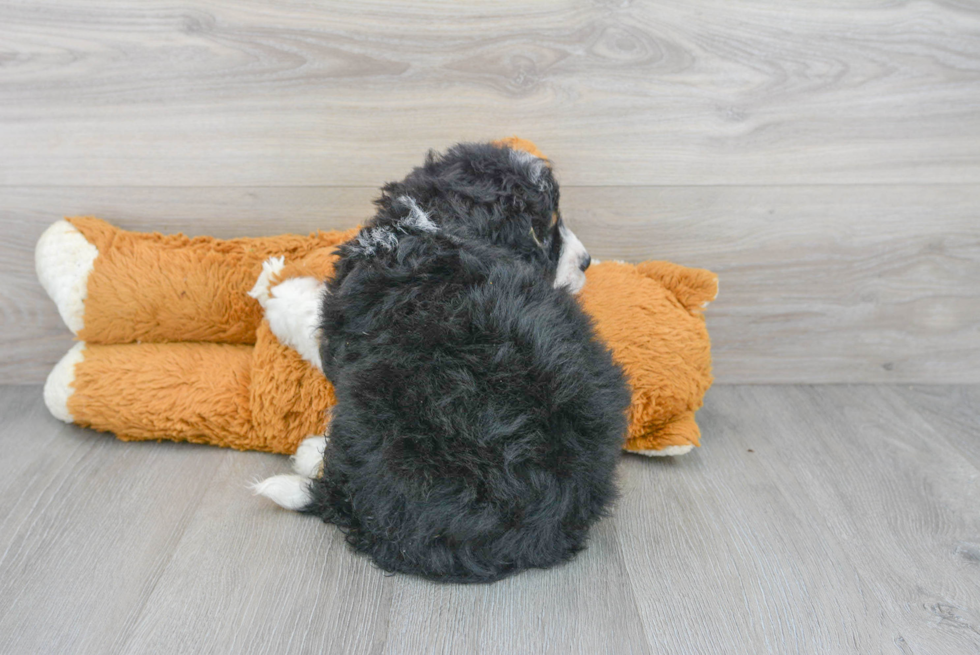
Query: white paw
{"points": [[308, 459], [63, 259], [293, 312], [270, 268], [669, 451], [289, 491], [58, 387]]}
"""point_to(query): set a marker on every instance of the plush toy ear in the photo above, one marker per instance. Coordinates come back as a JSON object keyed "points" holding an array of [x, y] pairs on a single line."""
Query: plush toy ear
{"points": [[517, 143], [693, 287]]}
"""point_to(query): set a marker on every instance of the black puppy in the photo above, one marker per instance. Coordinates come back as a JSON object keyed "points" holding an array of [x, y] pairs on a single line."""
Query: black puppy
{"points": [[478, 420]]}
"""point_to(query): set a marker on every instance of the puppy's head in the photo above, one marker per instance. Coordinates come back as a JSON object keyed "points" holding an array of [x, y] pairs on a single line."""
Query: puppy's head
{"points": [[504, 196]]}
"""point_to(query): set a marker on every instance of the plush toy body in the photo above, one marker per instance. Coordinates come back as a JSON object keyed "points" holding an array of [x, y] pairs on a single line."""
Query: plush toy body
{"points": [[173, 346], [195, 339]]}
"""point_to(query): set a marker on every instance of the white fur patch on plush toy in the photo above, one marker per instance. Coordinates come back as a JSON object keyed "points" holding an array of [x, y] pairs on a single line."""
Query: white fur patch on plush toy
{"points": [[288, 491], [58, 387], [63, 260], [270, 270], [293, 312], [293, 491], [308, 458]]}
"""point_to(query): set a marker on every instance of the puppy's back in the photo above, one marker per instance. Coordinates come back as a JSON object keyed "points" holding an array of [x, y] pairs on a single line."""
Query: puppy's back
{"points": [[478, 422]]}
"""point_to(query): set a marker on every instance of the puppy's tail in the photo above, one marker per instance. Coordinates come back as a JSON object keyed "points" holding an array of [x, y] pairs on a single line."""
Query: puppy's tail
{"points": [[289, 491]]}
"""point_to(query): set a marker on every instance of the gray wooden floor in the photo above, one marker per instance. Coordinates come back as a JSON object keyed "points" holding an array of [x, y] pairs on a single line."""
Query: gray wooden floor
{"points": [[815, 519]]}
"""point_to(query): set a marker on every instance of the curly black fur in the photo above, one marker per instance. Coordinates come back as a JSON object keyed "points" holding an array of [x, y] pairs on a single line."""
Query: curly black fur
{"points": [[478, 419]]}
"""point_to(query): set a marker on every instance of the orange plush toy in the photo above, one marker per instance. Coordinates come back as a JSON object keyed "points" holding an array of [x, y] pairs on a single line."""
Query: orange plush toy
{"points": [[179, 338]]}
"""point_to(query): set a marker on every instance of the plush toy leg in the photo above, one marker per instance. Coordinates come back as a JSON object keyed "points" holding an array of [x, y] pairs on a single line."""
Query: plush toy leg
{"points": [[178, 391], [675, 438], [288, 397], [219, 394], [114, 286]]}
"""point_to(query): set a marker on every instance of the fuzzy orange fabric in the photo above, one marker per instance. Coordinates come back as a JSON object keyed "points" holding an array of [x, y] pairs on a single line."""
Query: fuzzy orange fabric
{"points": [[651, 316], [177, 349], [261, 397], [148, 287], [517, 143], [157, 307]]}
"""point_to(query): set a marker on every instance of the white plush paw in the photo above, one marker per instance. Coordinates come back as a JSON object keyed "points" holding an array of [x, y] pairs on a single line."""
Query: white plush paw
{"points": [[308, 459], [270, 268], [289, 491], [669, 451], [63, 259], [293, 491], [58, 387], [293, 312]]}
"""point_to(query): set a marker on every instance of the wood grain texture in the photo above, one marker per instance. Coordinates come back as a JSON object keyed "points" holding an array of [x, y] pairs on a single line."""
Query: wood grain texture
{"points": [[818, 284], [815, 519], [835, 516], [348, 93], [954, 412], [823, 160], [80, 553]]}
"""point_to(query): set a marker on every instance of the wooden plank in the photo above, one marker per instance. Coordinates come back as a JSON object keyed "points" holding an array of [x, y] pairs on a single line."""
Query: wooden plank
{"points": [[286, 93], [814, 519], [87, 527], [818, 284], [821, 519], [955, 413], [586, 606], [250, 577]]}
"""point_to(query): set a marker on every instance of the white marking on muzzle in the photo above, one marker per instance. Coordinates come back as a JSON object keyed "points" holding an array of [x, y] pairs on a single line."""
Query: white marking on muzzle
{"points": [[570, 274]]}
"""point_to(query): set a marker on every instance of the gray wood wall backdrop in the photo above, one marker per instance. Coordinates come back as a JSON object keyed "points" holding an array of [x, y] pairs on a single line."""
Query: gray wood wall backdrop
{"points": [[824, 160]]}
